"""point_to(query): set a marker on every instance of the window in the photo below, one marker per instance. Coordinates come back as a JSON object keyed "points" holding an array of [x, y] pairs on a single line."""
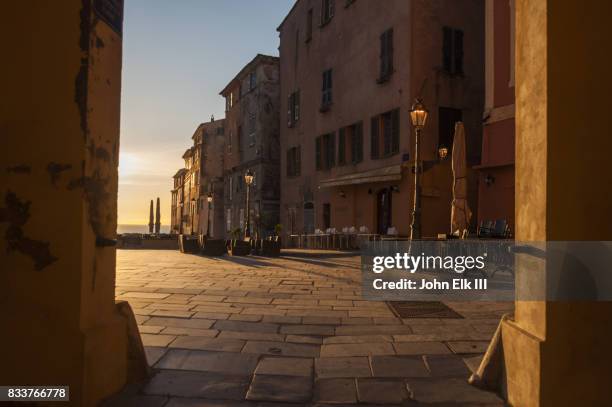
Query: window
{"points": [[327, 11], [229, 142], [293, 108], [241, 218], [231, 188], [229, 101], [220, 131], [326, 95], [296, 49], [385, 134], [350, 144], [252, 80], [452, 51], [386, 55], [325, 151], [309, 25], [252, 129], [447, 117], [294, 161]]}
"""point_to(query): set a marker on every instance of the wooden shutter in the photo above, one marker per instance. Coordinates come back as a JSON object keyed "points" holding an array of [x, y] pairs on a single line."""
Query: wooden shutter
{"points": [[390, 51], [383, 54], [332, 8], [447, 41], [298, 160], [358, 143], [289, 110], [458, 52], [395, 131], [324, 89], [289, 171], [374, 138], [331, 150], [341, 146], [318, 152], [387, 133], [296, 104]]}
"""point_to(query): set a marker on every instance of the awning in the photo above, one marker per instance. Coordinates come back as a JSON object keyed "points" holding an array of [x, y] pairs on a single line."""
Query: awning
{"points": [[392, 173]]}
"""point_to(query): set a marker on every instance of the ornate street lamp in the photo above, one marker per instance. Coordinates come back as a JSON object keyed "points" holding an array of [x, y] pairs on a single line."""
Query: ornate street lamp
{"points": [[248, 179], [418, 117], [442, 153], [209, 198]]}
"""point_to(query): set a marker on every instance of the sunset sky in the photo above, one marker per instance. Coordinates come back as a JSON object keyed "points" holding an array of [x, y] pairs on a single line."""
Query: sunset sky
{"points": [[177, 56]]}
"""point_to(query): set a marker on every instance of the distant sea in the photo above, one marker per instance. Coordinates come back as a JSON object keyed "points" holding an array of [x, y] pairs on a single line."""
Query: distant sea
{"points": [[139, 229]]}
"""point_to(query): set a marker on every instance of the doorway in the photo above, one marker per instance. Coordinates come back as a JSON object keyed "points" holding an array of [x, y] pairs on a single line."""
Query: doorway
{"points": [[383, 211], [309, 218]]}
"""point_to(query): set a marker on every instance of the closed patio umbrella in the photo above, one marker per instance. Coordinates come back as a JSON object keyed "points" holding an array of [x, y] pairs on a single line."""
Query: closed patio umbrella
{"points": [[460, 211]]}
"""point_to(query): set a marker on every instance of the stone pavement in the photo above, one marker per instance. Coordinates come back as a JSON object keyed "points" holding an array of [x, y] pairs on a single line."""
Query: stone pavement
{"points": [[258, 332]]}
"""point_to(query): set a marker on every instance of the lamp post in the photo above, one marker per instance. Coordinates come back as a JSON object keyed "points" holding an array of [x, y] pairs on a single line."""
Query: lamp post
{"points": [[418, 117], [209, 198], [248, 179]]}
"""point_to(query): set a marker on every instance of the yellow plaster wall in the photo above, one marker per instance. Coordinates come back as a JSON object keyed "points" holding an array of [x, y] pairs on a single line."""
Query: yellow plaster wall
{"points": [[558, 353], [59, 127]]}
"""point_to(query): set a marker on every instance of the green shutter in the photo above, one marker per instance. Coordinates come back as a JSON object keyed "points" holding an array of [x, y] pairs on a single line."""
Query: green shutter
{"points": [[374, 153], [358, 143]]}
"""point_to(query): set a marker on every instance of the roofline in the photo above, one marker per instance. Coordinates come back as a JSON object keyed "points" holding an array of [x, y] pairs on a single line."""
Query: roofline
{"points": [[280, 26], [179, 172], [255, 61], [204, 124]]}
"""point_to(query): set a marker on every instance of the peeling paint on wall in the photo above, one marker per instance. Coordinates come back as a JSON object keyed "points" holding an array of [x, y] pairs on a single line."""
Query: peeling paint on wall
{"points": [[16, 213], [55, 169]]}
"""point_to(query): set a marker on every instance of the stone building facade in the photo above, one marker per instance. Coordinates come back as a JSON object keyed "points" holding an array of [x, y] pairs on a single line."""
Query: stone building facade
{"points": [[496, 182], [252, 143], [350, 72], [176, 204], [203, 173], [209, 140]]}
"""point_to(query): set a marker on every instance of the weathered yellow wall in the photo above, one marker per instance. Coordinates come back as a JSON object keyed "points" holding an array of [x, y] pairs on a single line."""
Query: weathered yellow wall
{"points": [[556, 353], [59, 128]]}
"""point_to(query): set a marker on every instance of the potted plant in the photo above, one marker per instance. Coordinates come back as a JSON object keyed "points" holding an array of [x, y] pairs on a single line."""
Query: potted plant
{"points": [[272, 246], [237, 246], [188, 243]]}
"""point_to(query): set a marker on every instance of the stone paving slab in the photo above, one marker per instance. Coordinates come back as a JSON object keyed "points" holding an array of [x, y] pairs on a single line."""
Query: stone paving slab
{"points": [[281, 348], [197, 384], [443, 390], [399, 366], [240, 364], [180, 322], [343, 367], [357, 349], [462, 347], [282, 366], [280, 388], [336, 391], [382, 391], [204, 343], [290, 332]]}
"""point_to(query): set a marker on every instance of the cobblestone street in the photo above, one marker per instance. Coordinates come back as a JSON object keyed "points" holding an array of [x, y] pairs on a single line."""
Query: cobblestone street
{"points": [[248, 331]]}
